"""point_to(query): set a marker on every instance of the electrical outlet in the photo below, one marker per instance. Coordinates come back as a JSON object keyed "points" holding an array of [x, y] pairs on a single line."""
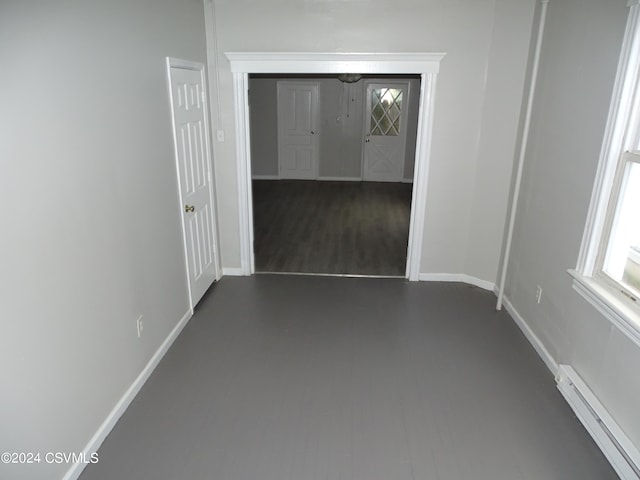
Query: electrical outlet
{"points": [[538, 293], [140, 326]]}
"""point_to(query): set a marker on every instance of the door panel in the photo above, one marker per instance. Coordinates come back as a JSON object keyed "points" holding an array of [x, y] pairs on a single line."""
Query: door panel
{"points": [[297, 130], [385, 131], [193, 159]]}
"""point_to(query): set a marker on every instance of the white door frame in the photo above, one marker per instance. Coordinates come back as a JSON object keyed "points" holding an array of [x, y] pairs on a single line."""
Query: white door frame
{"points": [[179, 63], [425, 64]]}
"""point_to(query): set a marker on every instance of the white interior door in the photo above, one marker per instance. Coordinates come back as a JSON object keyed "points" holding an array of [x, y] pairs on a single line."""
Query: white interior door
{"points": [[385, 133], [193, 157], [298, 130]]}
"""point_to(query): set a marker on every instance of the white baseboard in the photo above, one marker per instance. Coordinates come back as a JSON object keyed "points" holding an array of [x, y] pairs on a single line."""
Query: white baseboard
{"points": [[265, 177], [233, 272], [457, 277], [320, 179], [549, 361], [339, 179], [107, 425]]}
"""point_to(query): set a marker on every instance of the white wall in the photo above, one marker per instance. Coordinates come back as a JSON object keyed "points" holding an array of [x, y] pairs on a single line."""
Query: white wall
{"points": [[340, 137], [497, 141], [578, 65], [469, 163], [90, 218], [263, 107], [340, 140]]}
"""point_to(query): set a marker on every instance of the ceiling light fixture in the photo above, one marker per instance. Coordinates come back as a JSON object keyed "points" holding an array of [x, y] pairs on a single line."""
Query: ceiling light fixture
{"points": [[349, 77]]}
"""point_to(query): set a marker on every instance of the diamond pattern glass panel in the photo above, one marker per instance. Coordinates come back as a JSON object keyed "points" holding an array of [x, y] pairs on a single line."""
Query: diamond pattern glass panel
{"points": [[386, 106]]}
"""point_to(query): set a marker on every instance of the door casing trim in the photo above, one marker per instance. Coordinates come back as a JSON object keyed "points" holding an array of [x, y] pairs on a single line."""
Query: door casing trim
{"points": [[426, 65]]}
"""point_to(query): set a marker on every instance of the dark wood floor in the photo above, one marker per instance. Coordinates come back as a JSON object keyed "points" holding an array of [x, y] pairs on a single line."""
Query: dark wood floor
{"points": [[283, 377], [359, 228]]}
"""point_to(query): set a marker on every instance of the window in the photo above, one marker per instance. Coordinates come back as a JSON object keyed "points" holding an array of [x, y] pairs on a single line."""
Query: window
{"points": [[386, 108], [619, 257], [608, 270]]}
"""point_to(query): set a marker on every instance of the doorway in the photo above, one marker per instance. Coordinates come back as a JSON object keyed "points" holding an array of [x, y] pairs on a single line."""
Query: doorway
{"points": [[424, 64], [323, 201]]}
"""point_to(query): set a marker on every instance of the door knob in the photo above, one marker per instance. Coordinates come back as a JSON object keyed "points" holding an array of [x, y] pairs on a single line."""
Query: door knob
{"points": [[189, 208], [313, 132]]}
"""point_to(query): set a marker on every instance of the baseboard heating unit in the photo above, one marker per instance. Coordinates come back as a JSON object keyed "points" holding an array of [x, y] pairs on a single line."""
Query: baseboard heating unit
{"points": [[619, 450]]}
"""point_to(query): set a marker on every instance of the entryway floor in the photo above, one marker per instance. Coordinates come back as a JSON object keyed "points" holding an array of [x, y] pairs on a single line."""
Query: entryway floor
{"points": [[353, 228]]}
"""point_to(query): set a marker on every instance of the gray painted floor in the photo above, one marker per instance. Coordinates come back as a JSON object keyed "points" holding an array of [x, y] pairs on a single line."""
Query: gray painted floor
{"points": [[308, 226], [306, 378]]}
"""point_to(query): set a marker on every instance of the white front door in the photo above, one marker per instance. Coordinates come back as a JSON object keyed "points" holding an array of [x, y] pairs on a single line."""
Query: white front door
{"points": [[193, 157], [385, 131], [298, 130]]}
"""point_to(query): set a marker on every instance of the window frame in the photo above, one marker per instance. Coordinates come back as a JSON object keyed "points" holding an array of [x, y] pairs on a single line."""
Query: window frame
{"points": [[615, 197], [622, 135]]}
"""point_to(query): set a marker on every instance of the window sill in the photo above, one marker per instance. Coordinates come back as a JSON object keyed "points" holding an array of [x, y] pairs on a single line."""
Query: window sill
{"points": [[615, 309]]}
